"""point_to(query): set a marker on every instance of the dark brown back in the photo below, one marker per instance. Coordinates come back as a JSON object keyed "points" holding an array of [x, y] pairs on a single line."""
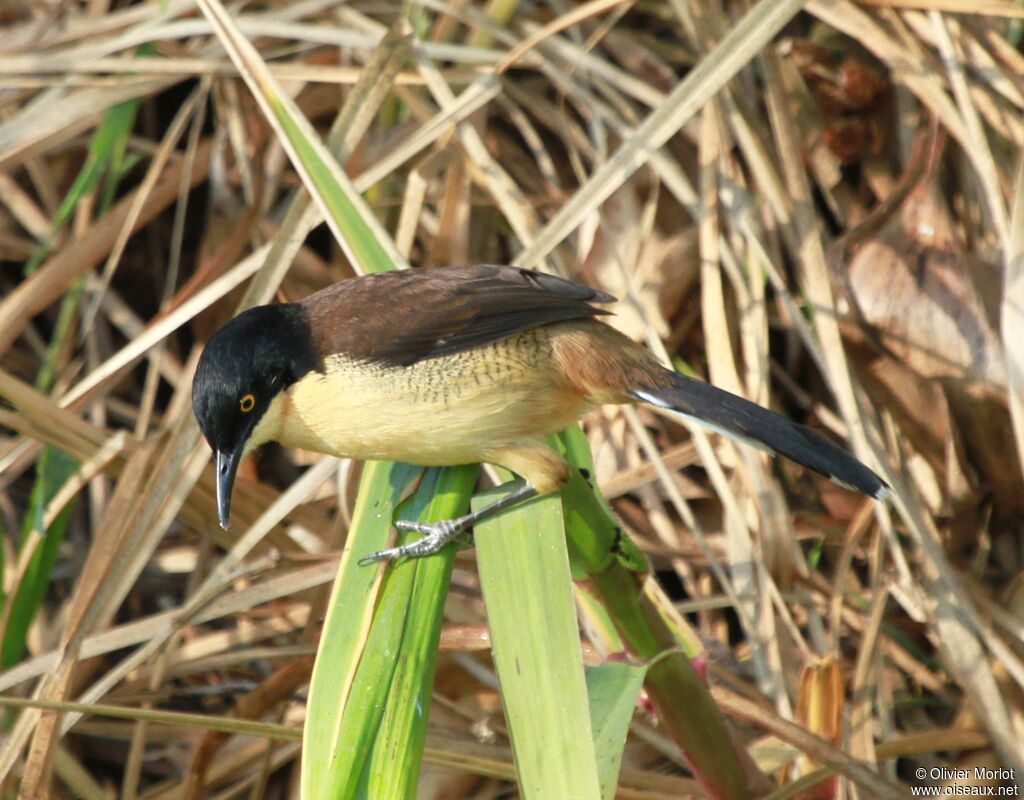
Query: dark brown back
{"points": [[399, 318]]}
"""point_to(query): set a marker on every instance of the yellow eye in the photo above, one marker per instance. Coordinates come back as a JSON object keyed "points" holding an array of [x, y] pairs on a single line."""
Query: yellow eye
{"points": [[247, 403]]}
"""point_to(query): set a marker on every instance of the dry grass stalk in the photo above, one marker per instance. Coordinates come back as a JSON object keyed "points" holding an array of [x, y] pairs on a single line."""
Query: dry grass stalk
{"points": [[504, 137]]}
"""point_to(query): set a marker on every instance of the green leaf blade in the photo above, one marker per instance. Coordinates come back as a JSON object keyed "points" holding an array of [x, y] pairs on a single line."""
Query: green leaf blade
{"points": [[613, 688], [398, 751], [524, 572], [347, 623], [372, 683]]}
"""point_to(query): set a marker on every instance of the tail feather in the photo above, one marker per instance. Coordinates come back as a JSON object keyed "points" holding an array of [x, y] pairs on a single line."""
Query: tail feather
{"points": [[725, 413]]}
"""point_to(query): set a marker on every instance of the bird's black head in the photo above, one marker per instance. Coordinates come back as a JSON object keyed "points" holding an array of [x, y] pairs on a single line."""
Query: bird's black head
{"points": [[246, 364]]}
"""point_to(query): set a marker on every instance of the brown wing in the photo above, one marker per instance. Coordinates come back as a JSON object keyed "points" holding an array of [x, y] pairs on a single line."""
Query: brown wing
{"points": [[400, 318]]}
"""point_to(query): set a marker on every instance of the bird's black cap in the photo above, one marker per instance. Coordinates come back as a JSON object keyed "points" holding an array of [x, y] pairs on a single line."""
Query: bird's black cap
{"points": [[245, 365]]}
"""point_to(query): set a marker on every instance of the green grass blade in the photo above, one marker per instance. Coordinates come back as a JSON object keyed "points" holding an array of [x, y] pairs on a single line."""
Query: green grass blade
{"points": [[354, 708], [524, 572], [616, 573], [52, 472], [348, 620], [110, 138], [366, 724], [360, 234], [361, 106], [105, 159], [596, 540], [398, 751], [361, 718], [613, 688]]}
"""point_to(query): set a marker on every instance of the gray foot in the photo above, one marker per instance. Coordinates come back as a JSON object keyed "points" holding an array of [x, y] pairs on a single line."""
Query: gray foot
{"points": [[435, 536]]}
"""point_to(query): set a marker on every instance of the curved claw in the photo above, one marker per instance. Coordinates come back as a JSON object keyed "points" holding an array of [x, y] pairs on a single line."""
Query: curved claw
{"points": [[378, 555]]}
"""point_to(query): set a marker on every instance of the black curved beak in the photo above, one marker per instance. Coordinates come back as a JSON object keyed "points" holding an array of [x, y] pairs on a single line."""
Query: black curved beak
{"points": [[227, 467]]}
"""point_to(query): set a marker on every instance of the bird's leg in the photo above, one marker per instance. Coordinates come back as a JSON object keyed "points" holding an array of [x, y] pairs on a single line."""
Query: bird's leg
{"points": [[438, 534]]}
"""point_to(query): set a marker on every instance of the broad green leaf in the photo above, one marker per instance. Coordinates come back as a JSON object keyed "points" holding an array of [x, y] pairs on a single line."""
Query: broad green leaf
{"points": [[527, 586], [613, 688], [398, 750], [372, 681], [616, 574], [346, 626]]}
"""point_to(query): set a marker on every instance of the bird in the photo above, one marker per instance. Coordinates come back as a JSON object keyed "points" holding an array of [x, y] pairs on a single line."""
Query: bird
{"points": [[456, 365]]}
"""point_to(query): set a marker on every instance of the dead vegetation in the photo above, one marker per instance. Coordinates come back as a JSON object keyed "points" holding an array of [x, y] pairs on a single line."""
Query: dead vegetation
{"points": [[837, 232]]}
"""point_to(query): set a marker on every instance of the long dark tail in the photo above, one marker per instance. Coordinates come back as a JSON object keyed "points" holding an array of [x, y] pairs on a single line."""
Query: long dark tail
{"points": [[740, 419]]}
